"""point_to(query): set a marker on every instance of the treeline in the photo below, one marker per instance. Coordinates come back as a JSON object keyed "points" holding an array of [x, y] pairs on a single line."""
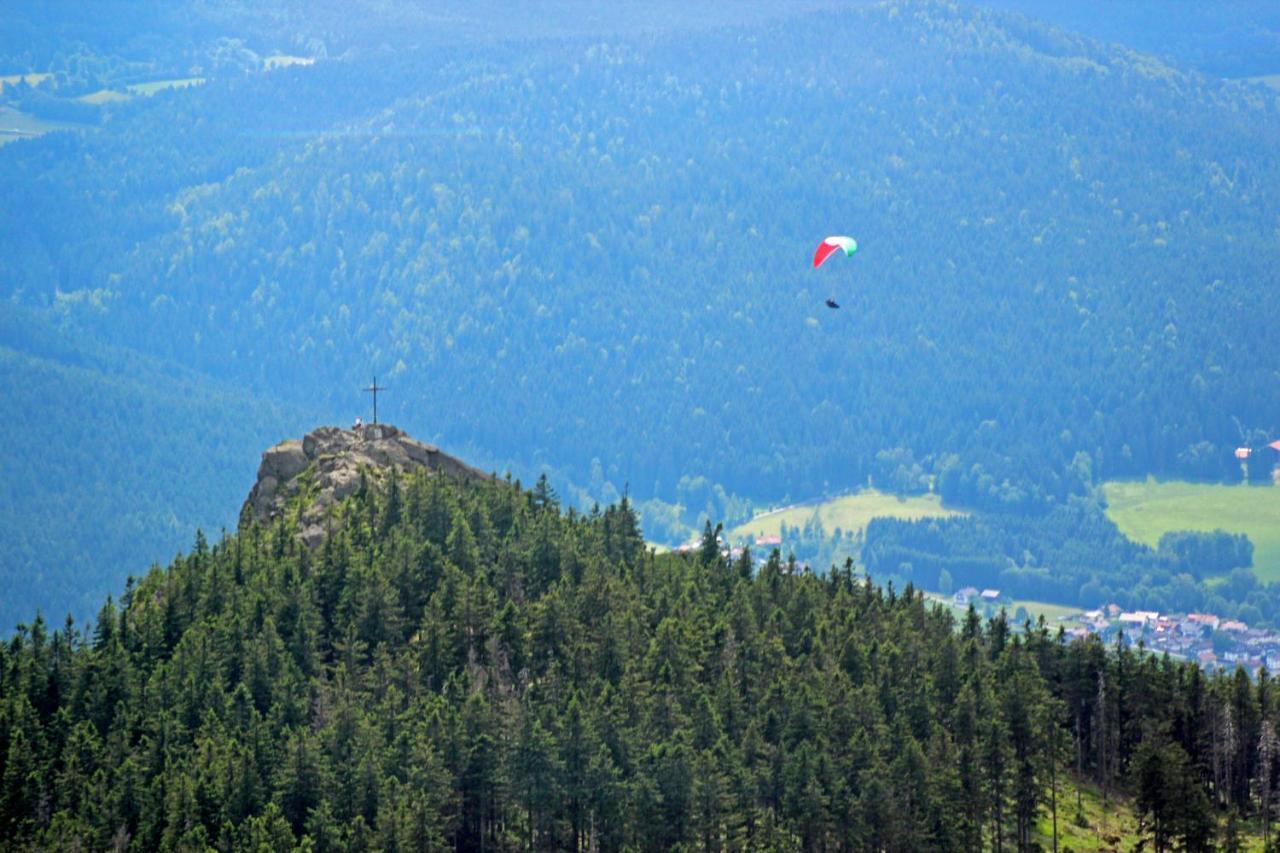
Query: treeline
{"points": [[1232, 38], [467, 666], [559, 253], [1074, 554], [1207, 554]]}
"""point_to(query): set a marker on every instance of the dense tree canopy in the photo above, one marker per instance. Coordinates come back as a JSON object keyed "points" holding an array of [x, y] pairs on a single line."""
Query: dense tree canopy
{"points": [[592, 256], [466, 665]]}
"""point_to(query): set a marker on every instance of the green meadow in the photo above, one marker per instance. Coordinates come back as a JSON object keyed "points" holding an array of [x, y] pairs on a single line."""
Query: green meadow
{"points": [[15, 124], [1146, 510], [14, 79], [1272, 80], [103, 96], [1087, 821], [284, 60], [850, 513], [159, 85], [1052, 613]]}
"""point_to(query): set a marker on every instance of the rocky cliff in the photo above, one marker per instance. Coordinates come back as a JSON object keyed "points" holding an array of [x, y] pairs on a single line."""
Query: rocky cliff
{"points": [[324, 467]]}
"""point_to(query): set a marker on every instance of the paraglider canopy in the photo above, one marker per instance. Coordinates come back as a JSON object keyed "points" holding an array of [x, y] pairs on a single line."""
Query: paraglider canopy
{"points": [[831, 303], [831, 245], [1275, 445], [1242, 453]]}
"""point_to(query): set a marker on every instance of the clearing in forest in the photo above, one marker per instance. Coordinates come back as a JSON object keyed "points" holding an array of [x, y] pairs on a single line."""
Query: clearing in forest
{"points": [[1053, 613], [850, 513], [15, 124], [160, 85], [284, 60], [1272, 80], [1146, 510]]}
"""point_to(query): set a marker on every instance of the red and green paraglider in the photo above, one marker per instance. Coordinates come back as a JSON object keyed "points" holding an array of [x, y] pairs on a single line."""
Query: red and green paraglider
{"points": [[831, 246]]}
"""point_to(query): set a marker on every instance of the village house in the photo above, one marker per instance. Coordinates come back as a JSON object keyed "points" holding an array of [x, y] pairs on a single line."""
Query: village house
{"points": [[1133, 621], [1207, 620], [1189, 628]]}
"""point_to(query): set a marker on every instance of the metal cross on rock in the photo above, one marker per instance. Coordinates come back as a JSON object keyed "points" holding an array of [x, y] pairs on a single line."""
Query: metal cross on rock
{"points": [[374, 389]]}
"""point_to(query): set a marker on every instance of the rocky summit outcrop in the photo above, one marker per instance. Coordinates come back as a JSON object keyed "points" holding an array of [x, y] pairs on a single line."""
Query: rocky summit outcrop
{"points": [[325, 466]]}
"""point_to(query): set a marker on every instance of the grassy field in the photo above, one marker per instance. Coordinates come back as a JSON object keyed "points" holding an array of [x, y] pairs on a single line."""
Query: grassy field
{"points": [[1052, 612], [103, 96], [1272, 80], [1104, 825], [284, 60], [14, 79], [1146, 510], [159, 85], [850, 513], [15, 124], [1115, 820]]}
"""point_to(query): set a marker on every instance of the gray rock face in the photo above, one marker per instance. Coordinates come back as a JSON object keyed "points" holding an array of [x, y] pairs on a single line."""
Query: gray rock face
{"points": [[284, 461], [325, 468]]}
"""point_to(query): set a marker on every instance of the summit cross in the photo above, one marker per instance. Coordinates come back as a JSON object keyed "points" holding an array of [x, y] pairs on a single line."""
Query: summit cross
{"points": [[374, 389]]}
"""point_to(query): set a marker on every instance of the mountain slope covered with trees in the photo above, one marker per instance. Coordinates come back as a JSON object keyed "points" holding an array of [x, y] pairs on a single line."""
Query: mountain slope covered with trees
{"points": [[467, 665], [593, 256], [629, 232], [100, 448]]}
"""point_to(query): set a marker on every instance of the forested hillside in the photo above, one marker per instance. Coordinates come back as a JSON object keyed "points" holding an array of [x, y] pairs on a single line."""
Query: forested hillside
{"points": [[620, 241], [101, 447], [1226, 38], [593, 255], [468, 666]]}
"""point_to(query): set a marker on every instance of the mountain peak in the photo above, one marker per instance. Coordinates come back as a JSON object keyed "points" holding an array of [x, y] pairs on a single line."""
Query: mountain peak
{"points": [[325, 466]]}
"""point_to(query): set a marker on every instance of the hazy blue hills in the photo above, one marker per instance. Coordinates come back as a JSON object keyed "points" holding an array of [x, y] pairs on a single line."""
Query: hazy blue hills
{"points": [[1228, 38], [111, 462], [593, 255]]}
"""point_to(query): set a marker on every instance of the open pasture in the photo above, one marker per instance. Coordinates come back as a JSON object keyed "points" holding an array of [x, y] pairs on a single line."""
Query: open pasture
{"points": [[160, 85], [1053, 613], [284, 60], [15, 124], [1272, 80], [1146, 510], [15, 79], [103, 96], [850, 513]]}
